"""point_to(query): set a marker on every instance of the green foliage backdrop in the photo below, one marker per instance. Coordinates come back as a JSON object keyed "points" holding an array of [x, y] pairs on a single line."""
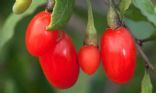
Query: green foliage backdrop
{"points": [[21, 73]]}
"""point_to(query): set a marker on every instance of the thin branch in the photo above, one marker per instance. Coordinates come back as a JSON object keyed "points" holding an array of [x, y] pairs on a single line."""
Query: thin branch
{"points": [[142, 53], [146, 60]]}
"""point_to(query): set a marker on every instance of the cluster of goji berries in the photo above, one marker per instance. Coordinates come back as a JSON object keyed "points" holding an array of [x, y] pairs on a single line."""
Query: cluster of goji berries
{"points": [[60, 62]]}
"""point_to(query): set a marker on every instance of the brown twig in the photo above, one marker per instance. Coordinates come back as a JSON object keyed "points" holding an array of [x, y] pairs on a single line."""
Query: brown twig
{"points": [[146, 59], [139, 44]]}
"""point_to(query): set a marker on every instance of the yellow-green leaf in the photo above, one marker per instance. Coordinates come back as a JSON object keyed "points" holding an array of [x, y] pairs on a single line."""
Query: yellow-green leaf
{"points": [[147, 9], [124, 5], [146, 86]]}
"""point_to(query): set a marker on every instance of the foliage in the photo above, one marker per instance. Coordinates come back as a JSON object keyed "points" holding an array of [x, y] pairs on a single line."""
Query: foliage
{"points": [[21, 73]]}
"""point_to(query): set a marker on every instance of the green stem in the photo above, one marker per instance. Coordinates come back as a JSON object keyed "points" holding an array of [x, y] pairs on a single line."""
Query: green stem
{"points": [[91, 34], [90, 14], [113, 18]]}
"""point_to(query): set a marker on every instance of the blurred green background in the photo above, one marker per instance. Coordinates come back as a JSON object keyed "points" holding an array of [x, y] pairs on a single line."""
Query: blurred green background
{"points": [[21, 73]]}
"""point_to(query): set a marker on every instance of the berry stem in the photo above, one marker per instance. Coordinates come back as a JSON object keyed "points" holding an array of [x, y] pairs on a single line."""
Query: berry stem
{"points": [[113, 18], [50, 5], [91, 34]]}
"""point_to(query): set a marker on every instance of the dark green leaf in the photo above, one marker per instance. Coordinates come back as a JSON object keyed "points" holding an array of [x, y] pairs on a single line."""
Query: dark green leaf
{"points": [[146, 86], [7, 30], [147, 9], [141, 29], [151, 38], [62, 12]]}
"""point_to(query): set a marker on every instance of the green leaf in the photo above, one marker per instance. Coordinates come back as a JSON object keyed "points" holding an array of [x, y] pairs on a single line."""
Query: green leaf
{"points": [[7, 31], [155, 9], [141, 30], [62, 12], [146, 85], [151, 38], [124, 5], [147, 9]]}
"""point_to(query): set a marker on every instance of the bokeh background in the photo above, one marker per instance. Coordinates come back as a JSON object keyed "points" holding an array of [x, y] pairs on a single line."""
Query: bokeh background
{"points": [[21, 73]]}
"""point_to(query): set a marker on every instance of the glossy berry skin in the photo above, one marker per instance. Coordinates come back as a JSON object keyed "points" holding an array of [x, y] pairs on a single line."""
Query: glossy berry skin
{"points": [[38, 39], [118, 54], [89, 58], [60, 65]]}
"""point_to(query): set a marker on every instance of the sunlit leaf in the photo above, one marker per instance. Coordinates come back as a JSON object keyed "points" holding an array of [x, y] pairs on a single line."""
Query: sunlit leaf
{"points": [[124, 5], [147, 9], [146, 85]]}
